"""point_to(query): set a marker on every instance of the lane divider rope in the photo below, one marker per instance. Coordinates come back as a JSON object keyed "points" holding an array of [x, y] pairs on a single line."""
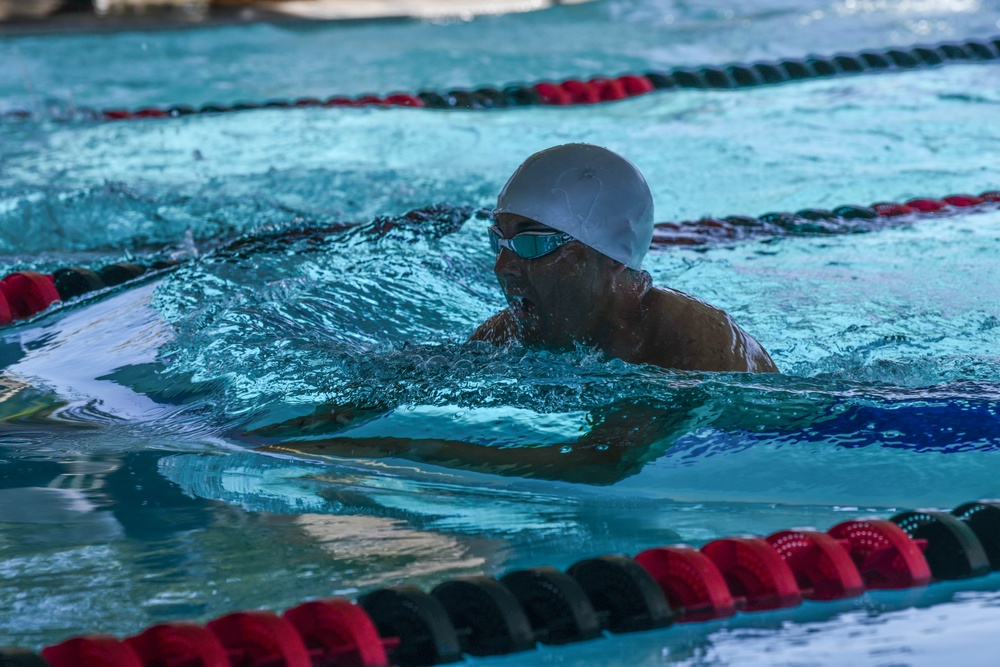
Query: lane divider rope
{"points": [[813, 221], [600, 88], [25, 294], [482, 616]]}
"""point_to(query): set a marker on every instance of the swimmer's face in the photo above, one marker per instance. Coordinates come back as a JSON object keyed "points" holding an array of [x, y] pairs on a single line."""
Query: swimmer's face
{"points": [[556, 299]]}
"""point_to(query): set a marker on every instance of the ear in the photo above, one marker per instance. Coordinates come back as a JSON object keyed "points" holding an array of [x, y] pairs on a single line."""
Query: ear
{"points": [[611, 270]]}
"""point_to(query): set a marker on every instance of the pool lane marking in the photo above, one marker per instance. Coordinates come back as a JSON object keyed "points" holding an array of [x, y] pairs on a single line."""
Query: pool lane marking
{"points": [[595, 90], [26, 294]]}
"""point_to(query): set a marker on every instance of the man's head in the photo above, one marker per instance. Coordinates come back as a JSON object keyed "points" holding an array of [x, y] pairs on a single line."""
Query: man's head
{"points": [[583, 216], [593, 194]]}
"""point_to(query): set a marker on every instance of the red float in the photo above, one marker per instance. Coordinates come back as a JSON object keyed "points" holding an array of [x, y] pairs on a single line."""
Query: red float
{"points": [[179, 644], [608, 90], [714, 223], [636, 85], [551, 94], [884, 554], [340, 101], [403, 100], [691, 582], [672, 234], [338, 632], [259, 638], [580, 92], [754, 572], [822, 566], [963, 201], [28, 293], [925, 205], [150, 113], [91, 651], [993, 196], [5, 315]]}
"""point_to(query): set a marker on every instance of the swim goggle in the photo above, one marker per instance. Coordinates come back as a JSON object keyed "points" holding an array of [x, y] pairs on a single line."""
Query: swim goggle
{"points": [[529, 245]]}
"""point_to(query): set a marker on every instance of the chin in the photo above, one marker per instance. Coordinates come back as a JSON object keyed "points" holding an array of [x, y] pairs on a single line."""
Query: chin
{"points": [[530, 332]]}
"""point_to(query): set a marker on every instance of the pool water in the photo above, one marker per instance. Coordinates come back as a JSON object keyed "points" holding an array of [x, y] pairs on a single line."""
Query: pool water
{"points": [[131, 491]]}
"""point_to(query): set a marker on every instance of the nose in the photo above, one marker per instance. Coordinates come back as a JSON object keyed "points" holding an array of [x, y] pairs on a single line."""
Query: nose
{"points": [[508, 267]]}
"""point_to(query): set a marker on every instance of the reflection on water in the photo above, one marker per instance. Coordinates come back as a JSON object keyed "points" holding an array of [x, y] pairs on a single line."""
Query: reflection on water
{"points": [[113, 535], [294, 412]]}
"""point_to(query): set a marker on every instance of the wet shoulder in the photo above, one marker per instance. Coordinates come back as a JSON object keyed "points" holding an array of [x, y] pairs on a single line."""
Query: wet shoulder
{"points": [[688, 333], [498, 329]]}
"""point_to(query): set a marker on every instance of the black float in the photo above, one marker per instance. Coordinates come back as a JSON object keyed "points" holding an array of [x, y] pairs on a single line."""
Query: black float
{"points": [[953, 550]]}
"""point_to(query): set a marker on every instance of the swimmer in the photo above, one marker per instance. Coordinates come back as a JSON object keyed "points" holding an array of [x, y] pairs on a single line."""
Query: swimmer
{"points": [[572, 227]]}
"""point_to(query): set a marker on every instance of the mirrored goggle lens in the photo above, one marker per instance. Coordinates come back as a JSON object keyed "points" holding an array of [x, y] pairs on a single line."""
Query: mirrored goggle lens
{"points": [[530, 246], [527, 246]]}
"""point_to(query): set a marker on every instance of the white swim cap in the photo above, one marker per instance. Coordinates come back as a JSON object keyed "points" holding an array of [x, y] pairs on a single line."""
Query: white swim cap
{"points": [[593, 194]]}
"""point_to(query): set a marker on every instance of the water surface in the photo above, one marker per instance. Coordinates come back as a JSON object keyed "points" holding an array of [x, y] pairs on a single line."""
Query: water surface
{"points": [[129, 489]]}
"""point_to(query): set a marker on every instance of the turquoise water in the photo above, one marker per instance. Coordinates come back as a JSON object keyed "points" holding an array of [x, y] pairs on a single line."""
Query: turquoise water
{"points": [[130, 494]]}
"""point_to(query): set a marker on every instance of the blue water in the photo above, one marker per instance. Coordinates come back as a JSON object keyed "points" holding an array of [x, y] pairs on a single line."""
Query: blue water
{"points": [[130, 494]]}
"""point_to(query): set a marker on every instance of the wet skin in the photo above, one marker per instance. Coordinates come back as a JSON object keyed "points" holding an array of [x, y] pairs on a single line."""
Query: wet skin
{"points": [[576, 295], [622, 438]]}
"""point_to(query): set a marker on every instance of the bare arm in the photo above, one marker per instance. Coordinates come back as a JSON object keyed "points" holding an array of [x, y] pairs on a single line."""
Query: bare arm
{"points": [[624, 437]]}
